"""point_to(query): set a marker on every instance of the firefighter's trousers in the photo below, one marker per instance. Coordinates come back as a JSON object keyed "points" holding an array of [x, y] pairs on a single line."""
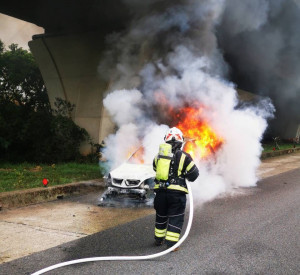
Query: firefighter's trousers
{"points": [[170, 207]]}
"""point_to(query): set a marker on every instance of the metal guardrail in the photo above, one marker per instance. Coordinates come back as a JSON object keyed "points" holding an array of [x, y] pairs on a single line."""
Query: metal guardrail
{"points": [[276, 153]]}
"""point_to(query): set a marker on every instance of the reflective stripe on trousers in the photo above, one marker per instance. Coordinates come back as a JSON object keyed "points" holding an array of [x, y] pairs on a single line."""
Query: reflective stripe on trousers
{"points": [[172, 236], [161, 223], [160, 233]]}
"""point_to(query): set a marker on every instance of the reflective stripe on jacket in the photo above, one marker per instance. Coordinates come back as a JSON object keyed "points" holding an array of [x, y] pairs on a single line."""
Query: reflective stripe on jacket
{"points": [[174, 187]]}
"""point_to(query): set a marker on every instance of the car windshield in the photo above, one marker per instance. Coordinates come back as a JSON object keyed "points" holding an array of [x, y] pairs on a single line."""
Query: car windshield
{"points": [[137, 157]]}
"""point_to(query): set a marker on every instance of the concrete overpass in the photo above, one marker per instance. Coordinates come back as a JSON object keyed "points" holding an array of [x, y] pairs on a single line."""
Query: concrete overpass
{"points": [[68, 64]]}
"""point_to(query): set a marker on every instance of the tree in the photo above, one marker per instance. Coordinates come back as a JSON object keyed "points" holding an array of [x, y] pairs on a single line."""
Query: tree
{"points": [[21, 80], [1, 47]]}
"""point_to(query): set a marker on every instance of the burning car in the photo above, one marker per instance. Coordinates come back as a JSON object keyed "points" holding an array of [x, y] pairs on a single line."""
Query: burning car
{"points": [[131, 182]]}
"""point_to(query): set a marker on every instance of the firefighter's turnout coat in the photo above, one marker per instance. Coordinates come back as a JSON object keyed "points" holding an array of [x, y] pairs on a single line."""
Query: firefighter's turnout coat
{"points": [[172, 170]]}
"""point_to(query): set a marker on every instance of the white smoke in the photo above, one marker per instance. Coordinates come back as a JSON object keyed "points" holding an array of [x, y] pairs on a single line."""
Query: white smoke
{"points": [[186, 74], [120, 145], [123, 106]]}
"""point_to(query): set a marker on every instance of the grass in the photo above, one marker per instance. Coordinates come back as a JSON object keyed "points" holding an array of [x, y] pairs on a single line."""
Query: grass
{"points": [[27, 175], [282, 146]]}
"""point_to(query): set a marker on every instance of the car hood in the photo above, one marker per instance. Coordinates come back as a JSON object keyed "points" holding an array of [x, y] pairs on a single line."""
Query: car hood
{"points": [[133, 171]]}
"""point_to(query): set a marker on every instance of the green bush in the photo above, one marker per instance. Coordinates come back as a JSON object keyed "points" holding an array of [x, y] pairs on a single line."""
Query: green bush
{"points": [[38, 136]]}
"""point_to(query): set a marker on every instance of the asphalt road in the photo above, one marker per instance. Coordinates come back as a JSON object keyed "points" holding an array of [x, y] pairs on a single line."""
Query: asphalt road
{"points": [[254, 233]]}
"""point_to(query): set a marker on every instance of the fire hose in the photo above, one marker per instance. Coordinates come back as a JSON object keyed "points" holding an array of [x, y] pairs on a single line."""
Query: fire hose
{"points": [[130, 258]]}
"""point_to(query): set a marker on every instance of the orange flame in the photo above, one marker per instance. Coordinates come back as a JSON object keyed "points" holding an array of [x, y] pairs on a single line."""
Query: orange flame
{"points": [[203, 140]]}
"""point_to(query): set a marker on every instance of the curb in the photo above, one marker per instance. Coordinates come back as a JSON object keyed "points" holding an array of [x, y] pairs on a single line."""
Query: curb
{"points": [[20, 198], [266, 155]]}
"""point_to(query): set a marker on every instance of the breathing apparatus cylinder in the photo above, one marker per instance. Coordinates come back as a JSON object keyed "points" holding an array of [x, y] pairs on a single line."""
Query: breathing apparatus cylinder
{"points": [[130, 258]]}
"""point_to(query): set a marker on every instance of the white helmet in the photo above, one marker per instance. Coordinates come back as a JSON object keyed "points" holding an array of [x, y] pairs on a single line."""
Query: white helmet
{"points": [[174, 135]]}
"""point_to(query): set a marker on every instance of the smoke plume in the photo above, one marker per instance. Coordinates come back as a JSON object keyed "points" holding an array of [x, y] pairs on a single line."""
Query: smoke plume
{"points": [[260, 39], [169, 57]]}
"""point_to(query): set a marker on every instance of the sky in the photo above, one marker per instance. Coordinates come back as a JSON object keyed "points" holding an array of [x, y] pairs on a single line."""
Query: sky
{"points": [[13, 30]]}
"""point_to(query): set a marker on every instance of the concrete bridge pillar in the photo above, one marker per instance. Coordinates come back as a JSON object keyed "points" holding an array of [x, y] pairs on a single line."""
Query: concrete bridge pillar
{"points": [[68, 64]]}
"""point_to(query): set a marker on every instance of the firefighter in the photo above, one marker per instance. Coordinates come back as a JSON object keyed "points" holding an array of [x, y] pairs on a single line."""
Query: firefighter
{"points": [[172, 166]]}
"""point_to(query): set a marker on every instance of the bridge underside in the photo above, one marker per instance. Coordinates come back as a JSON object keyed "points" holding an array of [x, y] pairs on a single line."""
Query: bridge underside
{"points": [[65, 16], [68, 64]]}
